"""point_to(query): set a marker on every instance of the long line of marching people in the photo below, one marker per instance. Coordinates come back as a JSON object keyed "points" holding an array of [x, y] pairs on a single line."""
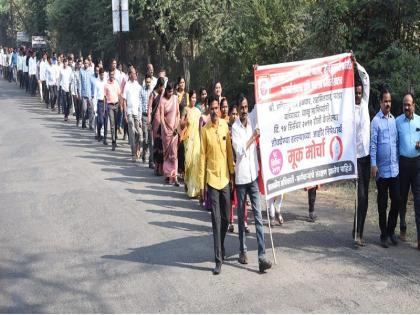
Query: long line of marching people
{"points": [[209, 144]]}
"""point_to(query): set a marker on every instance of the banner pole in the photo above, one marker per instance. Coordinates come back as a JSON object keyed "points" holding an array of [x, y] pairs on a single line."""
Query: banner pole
{"points": [[271, 234], [355, 209]]}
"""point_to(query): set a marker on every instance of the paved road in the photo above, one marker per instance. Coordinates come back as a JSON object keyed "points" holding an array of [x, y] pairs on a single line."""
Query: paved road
{"points": [[84, 230]]}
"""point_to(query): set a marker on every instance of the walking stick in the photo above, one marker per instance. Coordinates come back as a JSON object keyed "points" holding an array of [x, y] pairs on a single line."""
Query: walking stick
{"points": [[271, 234], [355, 209]]}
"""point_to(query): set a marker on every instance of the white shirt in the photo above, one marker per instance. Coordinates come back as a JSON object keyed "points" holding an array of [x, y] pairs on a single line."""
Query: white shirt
{"points": [[99, 91], [25, 67], [1, 57], [362, 116], [246, 166], [19, 63], [132, 96], [154, 81], [53, 73], [32, 66], [43, 70], [65, 78]]}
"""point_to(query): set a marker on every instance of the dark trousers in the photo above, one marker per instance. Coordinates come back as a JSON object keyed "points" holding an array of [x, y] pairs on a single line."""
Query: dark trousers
{"points": [[78, 108], [113, 120], [20, 77], [388, 186], [53, 95], [220, 207], [410, 178], [102, 119], [311, 199], [32, 84], [45, 93], [66, 102], [363, 171], [251, 189], [25, 81]]}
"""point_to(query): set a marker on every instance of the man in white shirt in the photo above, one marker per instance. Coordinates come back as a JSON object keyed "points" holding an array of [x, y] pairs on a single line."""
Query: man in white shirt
{"points": [[244, 134], [43, 77], [362, 149], [150, 71], [131, 97], [32, 73], [102, 114], [1, 60], [20, 67], [26, 57], [53, 72], [65, 82]]}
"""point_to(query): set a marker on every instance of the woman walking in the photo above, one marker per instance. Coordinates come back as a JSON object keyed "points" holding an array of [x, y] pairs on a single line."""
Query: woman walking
{"points": [[169, 117], [154, 118], [192, 146]]}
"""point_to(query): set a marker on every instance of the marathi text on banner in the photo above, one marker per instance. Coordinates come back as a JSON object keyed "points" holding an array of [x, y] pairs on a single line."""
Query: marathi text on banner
{"points": [[305, 114]]}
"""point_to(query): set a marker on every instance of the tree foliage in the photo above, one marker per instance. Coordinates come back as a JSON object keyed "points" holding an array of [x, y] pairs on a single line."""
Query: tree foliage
{"points": [[221, 40]]}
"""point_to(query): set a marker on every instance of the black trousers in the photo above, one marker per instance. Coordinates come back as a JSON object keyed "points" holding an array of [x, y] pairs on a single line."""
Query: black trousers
{"points": [[26, 81], [45, 93], [220, 213], [33, 84], [388, 186], [78, 108], [363, 171], [311, 199], [410, 178]]}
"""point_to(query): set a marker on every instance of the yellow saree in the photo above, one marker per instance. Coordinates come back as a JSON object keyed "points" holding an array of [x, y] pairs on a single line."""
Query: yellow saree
{"points": [[192, 152]]}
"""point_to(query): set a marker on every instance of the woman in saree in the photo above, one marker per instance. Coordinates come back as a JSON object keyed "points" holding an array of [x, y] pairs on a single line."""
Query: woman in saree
{"points": [[169, 115], [154, 119], [192, 144], [183, 103]]}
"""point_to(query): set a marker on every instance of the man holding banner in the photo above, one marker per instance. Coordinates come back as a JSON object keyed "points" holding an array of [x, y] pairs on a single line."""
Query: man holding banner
{"points": [[362, 89], [244, 134]]}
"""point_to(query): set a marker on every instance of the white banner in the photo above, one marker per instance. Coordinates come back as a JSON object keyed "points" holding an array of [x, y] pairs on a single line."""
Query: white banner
{"points": [[305, 114]]}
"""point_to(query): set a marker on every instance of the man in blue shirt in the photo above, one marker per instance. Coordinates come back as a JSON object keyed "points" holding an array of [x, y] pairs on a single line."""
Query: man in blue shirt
{"points": [[85, 80], [408, 126], [384, 167]]}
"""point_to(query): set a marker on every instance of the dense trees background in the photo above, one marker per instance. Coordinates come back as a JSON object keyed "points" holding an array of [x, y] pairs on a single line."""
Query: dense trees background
{"points": [[221, 40]]}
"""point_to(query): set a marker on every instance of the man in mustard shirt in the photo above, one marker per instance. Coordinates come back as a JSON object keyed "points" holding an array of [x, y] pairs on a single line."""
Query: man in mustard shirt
{"points": [[216, 170]]}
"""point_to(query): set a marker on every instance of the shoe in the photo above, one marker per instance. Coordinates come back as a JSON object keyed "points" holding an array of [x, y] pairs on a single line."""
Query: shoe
{"points": [[403, 236], [176, 184], [113, 146], [152, 165], [231, 228], [218, 269], [384, 243], [83, 126], [312, 217], [124, 137], [272, 222], [279, 218], [264, 264], [359, 242], [243, 259], [100, 138], [247, 230], [393, 240], [105, 142]]}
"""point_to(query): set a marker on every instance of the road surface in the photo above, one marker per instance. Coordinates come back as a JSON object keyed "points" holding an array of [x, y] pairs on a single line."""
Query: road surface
{"points": [[84, 230]]}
